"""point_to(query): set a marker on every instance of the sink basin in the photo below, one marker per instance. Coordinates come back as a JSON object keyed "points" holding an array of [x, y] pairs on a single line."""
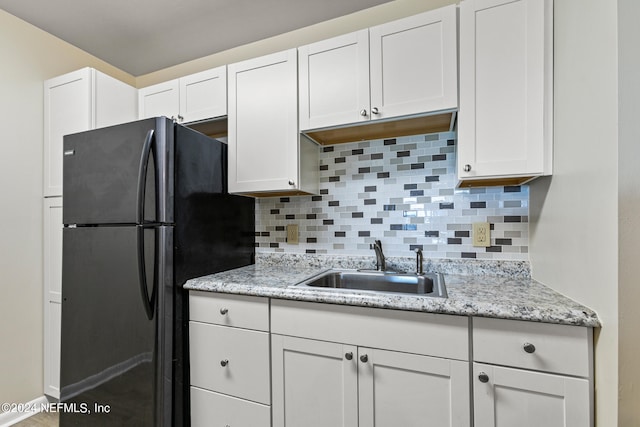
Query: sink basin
{"points": [[427, 284]]}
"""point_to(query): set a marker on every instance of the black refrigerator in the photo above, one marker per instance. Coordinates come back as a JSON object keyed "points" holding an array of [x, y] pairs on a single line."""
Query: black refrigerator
{"points": [[145, 209]]}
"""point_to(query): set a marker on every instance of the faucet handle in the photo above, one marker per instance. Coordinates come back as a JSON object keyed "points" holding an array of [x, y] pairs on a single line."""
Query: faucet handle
{"points": [[419, 260]]}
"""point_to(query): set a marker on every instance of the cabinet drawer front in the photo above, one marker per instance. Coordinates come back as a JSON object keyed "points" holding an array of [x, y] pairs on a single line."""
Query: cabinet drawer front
{"points": [[209, 408], [552, 348], [411, 332], [230, 361], [239, 311]]}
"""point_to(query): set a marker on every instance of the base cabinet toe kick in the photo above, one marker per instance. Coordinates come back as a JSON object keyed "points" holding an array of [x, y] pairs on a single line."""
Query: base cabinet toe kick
{"points": [[258, 361]]}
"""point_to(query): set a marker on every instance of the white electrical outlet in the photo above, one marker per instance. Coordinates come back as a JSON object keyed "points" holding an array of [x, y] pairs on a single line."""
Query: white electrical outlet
{"points": [[481, 234]]}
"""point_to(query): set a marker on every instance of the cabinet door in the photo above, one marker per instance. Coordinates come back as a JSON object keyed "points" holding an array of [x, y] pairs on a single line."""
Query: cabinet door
{"points": [[514, 397], [505, 88], [67, 109], [334, 81], [315, 383], [159, 100], [263, 123], [414, 64], [204, 95], [52, 228], [402, 389]]}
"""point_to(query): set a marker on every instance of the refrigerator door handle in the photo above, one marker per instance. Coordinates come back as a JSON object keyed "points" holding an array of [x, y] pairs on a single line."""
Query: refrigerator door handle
{"points": [[142, 175], [148, 303]]}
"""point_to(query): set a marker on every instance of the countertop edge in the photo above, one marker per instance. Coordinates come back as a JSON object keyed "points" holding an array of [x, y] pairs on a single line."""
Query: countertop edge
{"points": [[585, 318]]}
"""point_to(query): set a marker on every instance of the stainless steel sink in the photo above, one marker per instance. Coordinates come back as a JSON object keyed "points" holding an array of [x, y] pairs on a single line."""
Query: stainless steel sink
{"points": [[427, 284]]}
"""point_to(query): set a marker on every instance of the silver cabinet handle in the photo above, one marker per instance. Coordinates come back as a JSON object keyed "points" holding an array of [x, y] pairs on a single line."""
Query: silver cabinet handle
{"points": [[364, 358], [292, 182], [348, 356], [374, 110], [180, 118], [467, 168], [224, 362], [224, 311], [484, 378], [529, 348], [363, 113]]}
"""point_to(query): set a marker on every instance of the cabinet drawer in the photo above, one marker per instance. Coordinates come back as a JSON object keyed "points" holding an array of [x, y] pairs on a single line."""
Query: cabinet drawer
{"points": [[239, 311], [230, 361], [411, 332], [540, 346], [214, 409]]}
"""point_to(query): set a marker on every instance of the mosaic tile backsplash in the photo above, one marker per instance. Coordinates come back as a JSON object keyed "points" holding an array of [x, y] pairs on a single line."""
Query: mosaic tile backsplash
{"points": [[400, 191]]}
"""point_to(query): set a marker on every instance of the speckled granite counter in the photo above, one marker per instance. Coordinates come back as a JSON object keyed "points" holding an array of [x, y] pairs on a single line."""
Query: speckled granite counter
{"points": [[518, 298]]}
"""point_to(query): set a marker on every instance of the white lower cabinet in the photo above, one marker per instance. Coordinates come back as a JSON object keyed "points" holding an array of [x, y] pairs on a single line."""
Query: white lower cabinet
{"points": [[515, 397], [209, 408], [229, 360], [532, 374], [52, 256], [314, 383], [359, 386], [363, 381], [260, 362], [401, 389]]}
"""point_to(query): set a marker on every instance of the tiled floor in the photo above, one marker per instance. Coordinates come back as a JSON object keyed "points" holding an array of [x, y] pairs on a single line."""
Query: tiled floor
{"points": [[43, 419]]}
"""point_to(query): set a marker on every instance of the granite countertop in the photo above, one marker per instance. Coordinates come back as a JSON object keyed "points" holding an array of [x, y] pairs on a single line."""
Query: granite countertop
{"points": [[506, 297]]}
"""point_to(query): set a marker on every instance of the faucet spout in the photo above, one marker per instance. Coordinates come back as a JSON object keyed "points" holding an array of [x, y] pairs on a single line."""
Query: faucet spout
{"points": [[381, 263]]}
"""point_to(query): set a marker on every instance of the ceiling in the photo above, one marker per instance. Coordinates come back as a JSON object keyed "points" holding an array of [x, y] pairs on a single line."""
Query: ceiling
{"points": [[142, 36]]}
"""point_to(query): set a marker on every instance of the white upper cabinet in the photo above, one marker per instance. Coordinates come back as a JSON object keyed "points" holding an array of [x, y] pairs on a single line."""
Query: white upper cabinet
{"points": [[266, 152], [414, 64], [75, 102], [204, 95], [188, 99], [162, 99], [401, 68], [334, 81], [506, 90]]}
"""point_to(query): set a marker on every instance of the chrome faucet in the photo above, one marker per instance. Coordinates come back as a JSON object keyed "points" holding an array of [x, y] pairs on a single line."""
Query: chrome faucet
{"points": [[419, 260], [381, 264]]}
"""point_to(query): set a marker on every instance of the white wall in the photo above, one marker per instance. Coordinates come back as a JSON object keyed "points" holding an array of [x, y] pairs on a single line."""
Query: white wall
{"points": [[574, 214], [629, 212], [29, 56]]}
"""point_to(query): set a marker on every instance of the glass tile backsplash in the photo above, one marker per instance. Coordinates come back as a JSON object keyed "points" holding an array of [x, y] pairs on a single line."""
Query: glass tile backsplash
{"points": [[400, 191]]}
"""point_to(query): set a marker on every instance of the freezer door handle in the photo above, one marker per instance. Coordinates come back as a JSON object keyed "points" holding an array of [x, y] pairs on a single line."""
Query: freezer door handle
{"points": [[149, 303], [142, 175]]}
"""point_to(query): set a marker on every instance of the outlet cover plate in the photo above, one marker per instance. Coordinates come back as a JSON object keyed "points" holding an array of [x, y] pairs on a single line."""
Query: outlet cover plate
{"points": [[292, 234], [481, 234]]}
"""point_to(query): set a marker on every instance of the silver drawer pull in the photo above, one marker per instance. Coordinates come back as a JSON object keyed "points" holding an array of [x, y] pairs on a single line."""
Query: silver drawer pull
{"points": [[224, 311], [529, 348], [224, 363]]}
